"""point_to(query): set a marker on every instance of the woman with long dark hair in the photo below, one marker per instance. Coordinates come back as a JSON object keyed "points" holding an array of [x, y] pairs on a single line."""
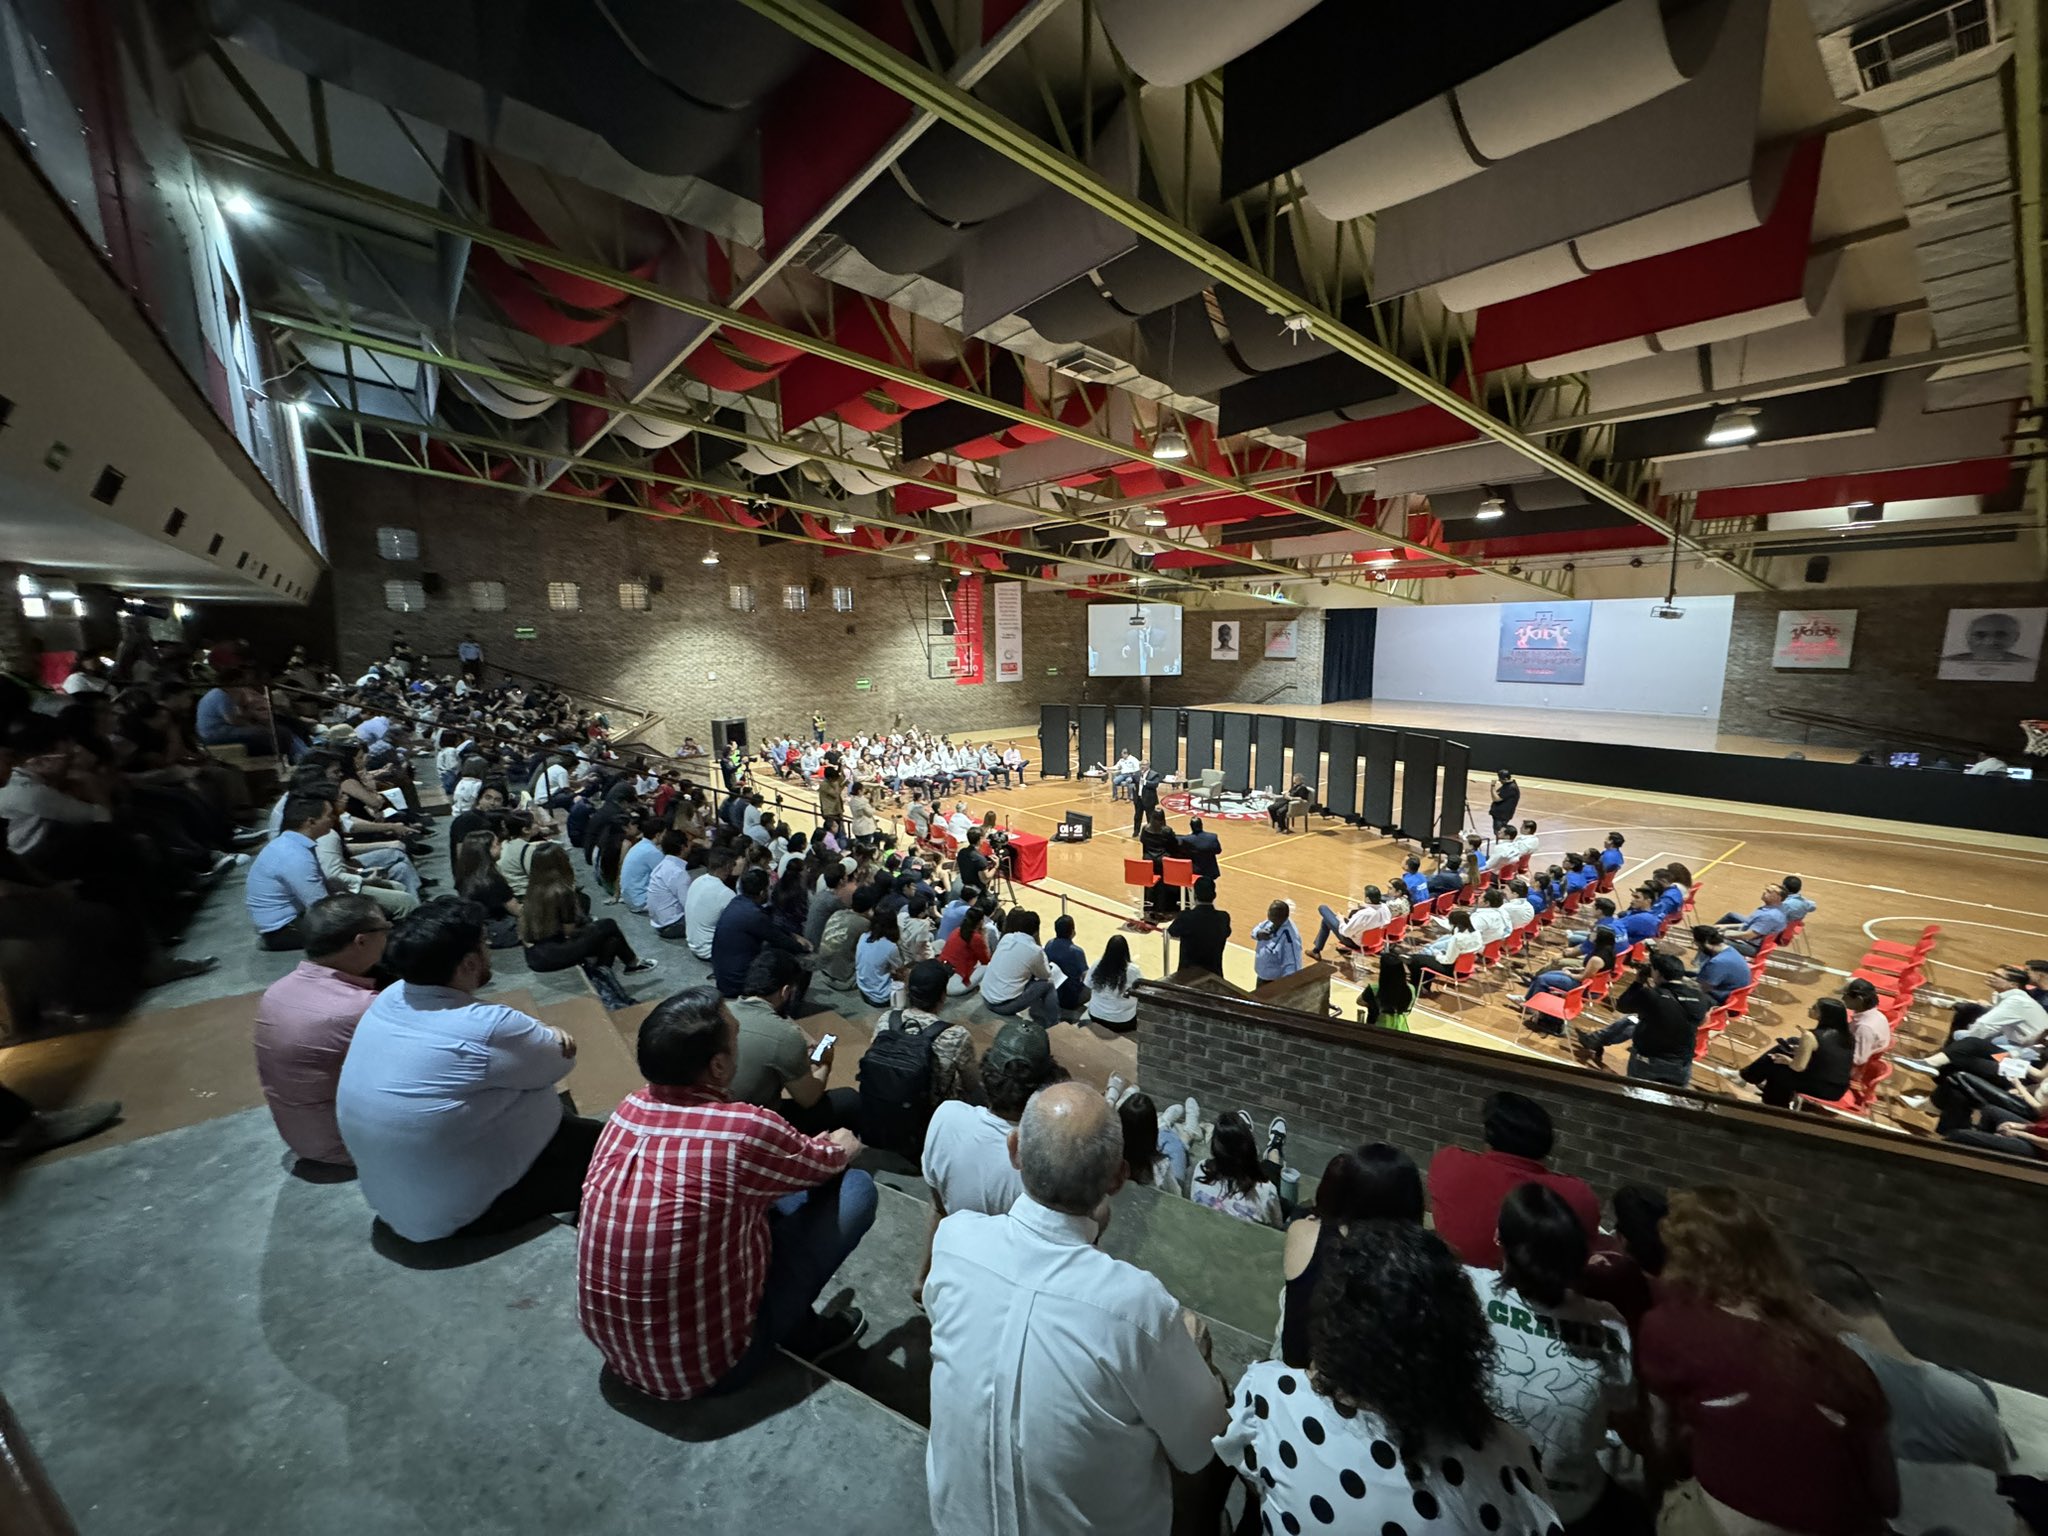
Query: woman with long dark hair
{"points": [[1145, 1152], [1817, 1061], [1563, 976], [1390, 1000], [1232, 1179], [555, 925], [1785, 1427], [1112, 999], [1389, 1427], [478, 879], [1561, 1362], [1374, 1182]]}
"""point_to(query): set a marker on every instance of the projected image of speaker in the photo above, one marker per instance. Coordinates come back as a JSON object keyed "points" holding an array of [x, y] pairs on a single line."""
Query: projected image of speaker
{"points": [[1134, 640], [1074, 827]]}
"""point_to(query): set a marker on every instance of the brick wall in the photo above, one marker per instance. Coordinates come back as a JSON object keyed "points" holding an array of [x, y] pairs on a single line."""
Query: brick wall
{"points": [[691, 657], [1890, 680], [1938, 1228]]}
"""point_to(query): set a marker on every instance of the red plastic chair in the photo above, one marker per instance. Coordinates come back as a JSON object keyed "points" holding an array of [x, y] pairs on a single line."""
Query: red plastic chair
{"points": [[1606, 881], [1395, 928], [1140, 873], [1571, 901], [1691, 905], [1178, 872], [1490, 955], [1919, 949], [1560, 1006], [1737, 1006], [1372, 940], [1712, 1027], [1861, 1098], [1599, 986]]}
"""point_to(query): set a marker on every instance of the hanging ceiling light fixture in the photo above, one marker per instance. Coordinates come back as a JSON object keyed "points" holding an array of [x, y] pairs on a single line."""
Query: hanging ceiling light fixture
{"points": [[843, 524], [1155, 518], [1732, 425], [1491, 508], [711, 555], [1171, 444], [922, 555]]}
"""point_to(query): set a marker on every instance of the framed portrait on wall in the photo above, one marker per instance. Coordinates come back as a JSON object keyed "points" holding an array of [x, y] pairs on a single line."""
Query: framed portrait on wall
{"points": [[1814, 639], [1283, 640], [1992, 645], [1224, 638]]}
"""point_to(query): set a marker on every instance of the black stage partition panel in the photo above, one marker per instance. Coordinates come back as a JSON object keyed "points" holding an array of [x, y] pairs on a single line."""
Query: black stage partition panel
{"points": [[1165, 757], [1201, 742], [1052, 742], [1269, 767], [1450, 815], [1378, 807], [1092, 745], [1306, 737], [1237, 751], [1418, 786], [1340, 782], [1130, 731]]}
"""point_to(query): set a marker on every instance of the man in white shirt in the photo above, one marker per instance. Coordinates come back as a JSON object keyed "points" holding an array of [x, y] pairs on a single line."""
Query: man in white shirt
{"points": [[1489, 920], [708, 896], [2000, 1041], [1066, 1385], [1013, 764], [1370, 912], [960, 823], [1125, 774], [1521, 912], [966, 1161], [668, 889]]}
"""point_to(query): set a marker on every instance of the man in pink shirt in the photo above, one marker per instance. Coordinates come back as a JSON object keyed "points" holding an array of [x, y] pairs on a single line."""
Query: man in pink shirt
{"points": [[308, 1016]]}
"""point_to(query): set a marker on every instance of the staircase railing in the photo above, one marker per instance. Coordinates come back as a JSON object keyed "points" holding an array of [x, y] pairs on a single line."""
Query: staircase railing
{"points": [[1877, 734]]}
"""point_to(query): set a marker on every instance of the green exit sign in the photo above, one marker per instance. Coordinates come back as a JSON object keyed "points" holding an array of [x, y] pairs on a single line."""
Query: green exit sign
{"points": [[526, 632], [1052, 671], [863, 684]]}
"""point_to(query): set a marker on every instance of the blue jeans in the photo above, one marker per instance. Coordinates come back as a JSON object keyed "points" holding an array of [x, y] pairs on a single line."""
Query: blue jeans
{"points": [[1621, 1029], [1121, 781], [1551, 981], [390, 861], [811, 1233], [1038, 997], [1176, 1151], [1677, 1071]]}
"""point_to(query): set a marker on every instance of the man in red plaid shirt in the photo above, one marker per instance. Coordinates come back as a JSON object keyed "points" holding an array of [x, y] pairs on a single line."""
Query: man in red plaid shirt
{"points": [[709, 1228]]}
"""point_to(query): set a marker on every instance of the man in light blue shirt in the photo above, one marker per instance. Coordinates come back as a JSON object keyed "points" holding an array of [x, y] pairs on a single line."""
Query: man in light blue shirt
{"points": [[1276, 944], [1723, 971], [668, 886], [285, 878], [636, 865], [447, 1104], [1797, 907], [1748, 933]]}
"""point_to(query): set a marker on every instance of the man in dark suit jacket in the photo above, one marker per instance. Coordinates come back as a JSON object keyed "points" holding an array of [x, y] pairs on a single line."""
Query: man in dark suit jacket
{"points": [[1507, 795], [1144, 797], [1200, 849]]}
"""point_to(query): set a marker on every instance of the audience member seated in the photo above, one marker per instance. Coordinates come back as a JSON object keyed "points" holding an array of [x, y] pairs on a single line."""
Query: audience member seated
{"points": [[447, 1104], [224, 720], [1624, 1277], [1203, 930], [1389, 1000], [1817, 1061], [965, 950], [1997, 1042], [1391, 1426], [555, 924], [1724, 969], [968, 1159], [1372, 1183], [776, 1067], [1748, 933], [707, 898], [838, 950], [1945, 1431], [1466, 1188], [1787, 1427], [1232, 1178], [1561, 1361], [1150, 1152], [668, 887], [1072, 962], [1276, 944], [1660, 1016], [284, 881], [1370, 912], [307, 1017], [745, 928], [1439, 958], [878, 958], [1109, 1387], [1018, 978], [710, 1227], [636, 865], [1112, 987]]}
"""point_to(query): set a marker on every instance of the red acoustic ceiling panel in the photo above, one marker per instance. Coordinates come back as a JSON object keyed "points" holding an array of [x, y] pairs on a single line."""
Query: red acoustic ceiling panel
{"points": [[1217, 508], [922, 498], [1972, 477], [1731, 276], [1386, 437], [528, 307], [1585, 541]]}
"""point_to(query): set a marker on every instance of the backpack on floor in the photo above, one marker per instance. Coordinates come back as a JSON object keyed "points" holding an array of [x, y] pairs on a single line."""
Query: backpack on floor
{"points": [[896, 1077]]}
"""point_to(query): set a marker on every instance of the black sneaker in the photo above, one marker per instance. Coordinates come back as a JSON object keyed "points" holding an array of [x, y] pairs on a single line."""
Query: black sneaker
{"points": [[639, 966], [60, 1127], [835, 1333]]}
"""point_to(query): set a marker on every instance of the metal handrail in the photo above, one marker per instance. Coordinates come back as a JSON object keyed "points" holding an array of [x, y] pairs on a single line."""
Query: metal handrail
{"points": [[1849, 726]]}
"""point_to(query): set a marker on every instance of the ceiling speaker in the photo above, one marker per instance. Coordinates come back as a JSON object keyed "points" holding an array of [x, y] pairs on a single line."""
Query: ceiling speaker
{"points": [[1817, 570]]}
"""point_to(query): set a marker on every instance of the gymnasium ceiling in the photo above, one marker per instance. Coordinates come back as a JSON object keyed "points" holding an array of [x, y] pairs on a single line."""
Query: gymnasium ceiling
{"points": [[955, 278]]}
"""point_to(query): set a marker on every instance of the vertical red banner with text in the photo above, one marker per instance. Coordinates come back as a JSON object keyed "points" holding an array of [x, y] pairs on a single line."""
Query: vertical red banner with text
{"points": [[967, 647]]}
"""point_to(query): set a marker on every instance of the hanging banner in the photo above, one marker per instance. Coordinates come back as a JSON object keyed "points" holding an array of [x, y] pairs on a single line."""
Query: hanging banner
{"points": [[967, 652], [1010, 632], [1814, 638]]}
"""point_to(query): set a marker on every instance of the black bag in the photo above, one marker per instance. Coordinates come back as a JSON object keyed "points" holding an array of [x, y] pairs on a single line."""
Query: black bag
{"points": [[896, 1077]]}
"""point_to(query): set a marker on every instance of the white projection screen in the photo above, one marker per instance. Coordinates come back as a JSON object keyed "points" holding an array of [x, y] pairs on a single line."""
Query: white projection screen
{"points": [[1133, 640]]}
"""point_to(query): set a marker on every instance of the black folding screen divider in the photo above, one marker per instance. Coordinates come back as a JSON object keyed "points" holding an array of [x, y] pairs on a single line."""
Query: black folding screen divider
{"points": [[1269, 766], [1052, 742], [1237, 751], [1165, 734], [1201, 742], [1418, 786], [1092, 743], [1378, 810], [1450, 816], [1306, 738], [1130, 730], [1340, 786]]}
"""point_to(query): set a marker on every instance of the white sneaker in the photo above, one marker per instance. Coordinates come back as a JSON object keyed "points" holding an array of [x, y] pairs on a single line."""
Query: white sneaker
{"points": [[1129, 1093], [1276, 1136], [1191, 1119], [1171, 1115], [1114, 1092]]}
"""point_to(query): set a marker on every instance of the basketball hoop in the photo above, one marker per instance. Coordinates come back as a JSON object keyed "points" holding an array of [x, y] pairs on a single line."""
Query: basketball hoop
{"points": [[2037, 737]]}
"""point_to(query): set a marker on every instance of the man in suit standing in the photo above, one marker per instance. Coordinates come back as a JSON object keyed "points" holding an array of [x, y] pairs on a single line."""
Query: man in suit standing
{"points": [[1144, 798], [1200, 848]]}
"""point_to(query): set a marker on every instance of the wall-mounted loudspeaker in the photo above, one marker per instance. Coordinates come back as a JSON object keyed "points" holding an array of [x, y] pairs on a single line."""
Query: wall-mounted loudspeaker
{"points": [[432, 583], [1817, 570]]}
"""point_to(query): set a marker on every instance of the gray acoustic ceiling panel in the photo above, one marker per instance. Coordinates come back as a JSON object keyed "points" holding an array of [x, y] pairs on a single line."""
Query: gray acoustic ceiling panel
{"points": [[1175, 42], [1182, 348]]}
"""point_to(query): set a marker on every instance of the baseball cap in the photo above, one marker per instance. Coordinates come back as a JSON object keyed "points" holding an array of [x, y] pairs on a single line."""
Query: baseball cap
{"points": [[1018, 1042]]}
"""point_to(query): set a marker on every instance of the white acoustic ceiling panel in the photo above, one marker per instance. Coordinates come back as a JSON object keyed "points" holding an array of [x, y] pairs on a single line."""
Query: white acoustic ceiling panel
{"points": [[1174, 42], [1428, 474]]}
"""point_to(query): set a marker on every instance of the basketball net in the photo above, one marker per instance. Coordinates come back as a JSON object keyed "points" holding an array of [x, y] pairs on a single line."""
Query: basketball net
{"points": [[2037, 737]]}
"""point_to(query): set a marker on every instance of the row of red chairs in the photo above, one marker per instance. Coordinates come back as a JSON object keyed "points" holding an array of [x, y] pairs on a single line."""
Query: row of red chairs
{"points": [[1897, 970]]}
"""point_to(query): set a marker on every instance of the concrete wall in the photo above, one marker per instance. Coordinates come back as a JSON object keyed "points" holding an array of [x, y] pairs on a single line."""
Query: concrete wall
{"points": [[1635, 664], [1891, 678], [1917, 1219], [691, 657]]}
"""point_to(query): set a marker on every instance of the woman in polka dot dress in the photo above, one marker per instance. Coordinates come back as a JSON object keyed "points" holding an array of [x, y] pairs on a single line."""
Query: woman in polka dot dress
{"points": [[1389, 1432]]}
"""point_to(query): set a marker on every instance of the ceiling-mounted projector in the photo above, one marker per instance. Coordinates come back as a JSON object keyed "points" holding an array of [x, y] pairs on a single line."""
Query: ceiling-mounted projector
{"points": [[1666, 611]]}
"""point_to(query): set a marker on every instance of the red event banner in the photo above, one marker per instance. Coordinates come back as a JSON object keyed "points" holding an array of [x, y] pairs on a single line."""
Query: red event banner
{"points": [[967, 648]]}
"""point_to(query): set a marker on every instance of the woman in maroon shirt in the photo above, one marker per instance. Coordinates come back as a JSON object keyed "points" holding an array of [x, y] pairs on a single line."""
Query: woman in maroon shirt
{"points": [[1784, 1426]]}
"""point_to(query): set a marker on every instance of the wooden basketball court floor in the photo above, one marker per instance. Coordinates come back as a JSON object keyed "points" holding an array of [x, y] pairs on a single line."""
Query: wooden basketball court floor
{"points": [[1872, 879]]}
